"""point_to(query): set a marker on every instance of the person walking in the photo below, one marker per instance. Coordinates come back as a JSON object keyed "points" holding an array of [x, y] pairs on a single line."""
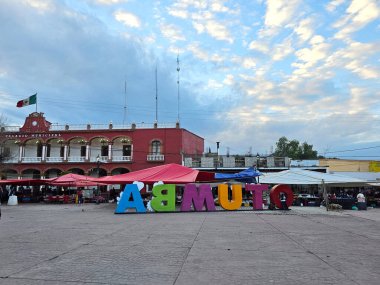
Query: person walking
{"points": [[80, 197], [284, 206]]}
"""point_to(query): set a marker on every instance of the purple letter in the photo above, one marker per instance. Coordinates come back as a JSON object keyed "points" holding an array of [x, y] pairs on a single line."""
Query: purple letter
{"points": [[198, 199]]}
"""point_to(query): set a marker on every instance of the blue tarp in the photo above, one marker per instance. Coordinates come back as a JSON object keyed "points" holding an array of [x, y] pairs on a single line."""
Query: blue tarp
{"points": [[247, 176]]}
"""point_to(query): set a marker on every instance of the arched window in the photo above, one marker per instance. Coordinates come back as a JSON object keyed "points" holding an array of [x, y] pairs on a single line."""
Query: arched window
{"points": [[156, 147]]}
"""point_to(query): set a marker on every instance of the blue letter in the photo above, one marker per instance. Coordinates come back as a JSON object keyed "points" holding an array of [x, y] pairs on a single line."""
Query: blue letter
{"points": [[137, 202]]}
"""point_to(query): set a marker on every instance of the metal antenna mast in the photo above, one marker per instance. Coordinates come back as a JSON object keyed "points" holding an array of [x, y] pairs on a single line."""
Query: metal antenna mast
{"points": [[156, 96], [125, 102], [178, 69]]}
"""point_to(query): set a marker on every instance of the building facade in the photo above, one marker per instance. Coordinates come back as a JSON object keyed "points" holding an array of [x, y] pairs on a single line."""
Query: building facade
{"points": [[40, 149], [347, 165]]}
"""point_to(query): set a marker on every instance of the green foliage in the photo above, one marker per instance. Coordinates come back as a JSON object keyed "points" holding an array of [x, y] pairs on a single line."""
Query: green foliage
{"points": [[294, 150]]}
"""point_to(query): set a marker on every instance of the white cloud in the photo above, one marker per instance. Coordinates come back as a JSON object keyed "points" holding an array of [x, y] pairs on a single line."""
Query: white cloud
{"points": [[259, 46], [305, 29], [198, 52], [359, 101], [334, 4], [40, 5], [355, 57], [179, 13], [266, 98], [217, 58], [171, 32], [229, 79], [310, 56], [3, 72], [358, 15], [213, 84], [127, 19], [200, 28], [277, 52], [110, 2], [318, 39], [280, 51], [249, 62], [364, 71], [217, 6], [278, 14], [202, 16], [218, 31]]}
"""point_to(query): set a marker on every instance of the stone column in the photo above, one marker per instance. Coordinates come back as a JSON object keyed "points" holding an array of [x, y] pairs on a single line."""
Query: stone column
{"points": [[43, 157], [110, 151], [65, 152], [87, 151], [20, 151]]}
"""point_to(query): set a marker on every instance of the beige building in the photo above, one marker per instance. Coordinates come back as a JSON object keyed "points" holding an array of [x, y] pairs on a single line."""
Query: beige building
{"points": [[344, 165]]}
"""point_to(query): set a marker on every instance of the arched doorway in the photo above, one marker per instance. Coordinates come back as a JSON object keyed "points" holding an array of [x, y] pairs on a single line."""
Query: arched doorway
{"points": [[9, 174], [53, 172], [119, 170], [76, 171]]}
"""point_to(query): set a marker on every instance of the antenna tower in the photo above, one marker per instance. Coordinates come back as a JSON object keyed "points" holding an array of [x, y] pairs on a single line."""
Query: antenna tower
{"points": [[178, 69], [125, 102], [156, 96]]}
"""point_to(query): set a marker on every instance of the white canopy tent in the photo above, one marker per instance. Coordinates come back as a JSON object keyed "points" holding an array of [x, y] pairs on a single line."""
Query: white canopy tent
{"points": [[299, 176]]}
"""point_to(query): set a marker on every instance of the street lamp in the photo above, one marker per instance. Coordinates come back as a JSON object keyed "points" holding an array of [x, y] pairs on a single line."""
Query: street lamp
{"points": [[258, 160], [257, 166], [217, 154]]}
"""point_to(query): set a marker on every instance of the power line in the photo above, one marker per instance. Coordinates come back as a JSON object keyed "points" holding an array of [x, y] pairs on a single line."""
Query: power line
{"points": [[195, 113], [355, 149]]}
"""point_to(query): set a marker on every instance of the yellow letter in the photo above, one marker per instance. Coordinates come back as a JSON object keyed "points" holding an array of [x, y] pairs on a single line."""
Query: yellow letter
{"points": [[237, 197]]}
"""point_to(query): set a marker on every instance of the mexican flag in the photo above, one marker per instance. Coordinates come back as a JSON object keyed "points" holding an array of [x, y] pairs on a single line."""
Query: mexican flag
{"points": [[28, 101]]}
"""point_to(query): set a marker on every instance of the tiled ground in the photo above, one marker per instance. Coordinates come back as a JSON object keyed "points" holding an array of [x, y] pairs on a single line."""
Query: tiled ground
{"points": [[67, 244]]}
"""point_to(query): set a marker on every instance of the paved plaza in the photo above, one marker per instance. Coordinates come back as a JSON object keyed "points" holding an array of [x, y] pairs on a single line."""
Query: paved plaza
{"points": [[68, 244]]}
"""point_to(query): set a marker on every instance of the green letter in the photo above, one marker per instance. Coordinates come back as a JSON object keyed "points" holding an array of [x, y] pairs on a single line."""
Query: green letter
{"points": [[163, 202]]}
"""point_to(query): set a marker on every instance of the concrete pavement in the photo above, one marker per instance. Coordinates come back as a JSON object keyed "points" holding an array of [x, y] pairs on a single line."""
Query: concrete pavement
{"points": [[68, 244]]}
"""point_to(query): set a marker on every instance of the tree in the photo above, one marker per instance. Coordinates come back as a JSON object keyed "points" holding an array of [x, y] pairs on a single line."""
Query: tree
{"points": [[293, 149]]}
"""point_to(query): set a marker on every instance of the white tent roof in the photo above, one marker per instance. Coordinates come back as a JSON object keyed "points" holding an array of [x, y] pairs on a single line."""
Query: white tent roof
{"points": [[301, 176], [367, 176]]}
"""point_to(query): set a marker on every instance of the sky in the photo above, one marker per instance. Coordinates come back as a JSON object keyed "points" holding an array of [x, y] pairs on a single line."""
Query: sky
{"points": [[249, 73]]}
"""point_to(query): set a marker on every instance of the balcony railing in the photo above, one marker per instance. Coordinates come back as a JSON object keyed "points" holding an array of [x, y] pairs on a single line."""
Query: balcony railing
{"points": [[56, 127], [122, 158], [27, 159], [155, 157], [76, 158], [54, 159], [101, 159]]}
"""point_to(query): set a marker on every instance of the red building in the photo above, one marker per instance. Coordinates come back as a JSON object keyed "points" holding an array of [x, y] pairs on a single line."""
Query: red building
{"points": [[40, 149]]}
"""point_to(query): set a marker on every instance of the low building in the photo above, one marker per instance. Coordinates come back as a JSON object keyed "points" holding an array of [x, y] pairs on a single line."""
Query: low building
{"points": [[345, 165], [40, 149]]}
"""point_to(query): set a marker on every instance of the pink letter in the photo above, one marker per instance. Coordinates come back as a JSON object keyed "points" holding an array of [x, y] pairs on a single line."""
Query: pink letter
{"points": [[198, 199], [257, 195]]}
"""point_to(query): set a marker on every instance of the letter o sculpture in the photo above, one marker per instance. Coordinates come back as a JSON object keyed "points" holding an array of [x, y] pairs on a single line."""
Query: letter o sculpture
{"points": [[275, 195]]}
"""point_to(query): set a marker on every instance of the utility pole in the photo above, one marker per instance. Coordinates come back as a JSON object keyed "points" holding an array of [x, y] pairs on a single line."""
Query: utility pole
{"points": [[178, 69], [217, 154]]}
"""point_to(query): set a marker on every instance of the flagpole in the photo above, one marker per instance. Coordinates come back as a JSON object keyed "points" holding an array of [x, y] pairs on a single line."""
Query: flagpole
{"points": [[36, 102]]}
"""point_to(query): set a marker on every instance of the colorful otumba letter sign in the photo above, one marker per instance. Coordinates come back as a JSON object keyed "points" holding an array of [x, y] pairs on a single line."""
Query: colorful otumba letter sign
{"points": [[200, 199]]}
